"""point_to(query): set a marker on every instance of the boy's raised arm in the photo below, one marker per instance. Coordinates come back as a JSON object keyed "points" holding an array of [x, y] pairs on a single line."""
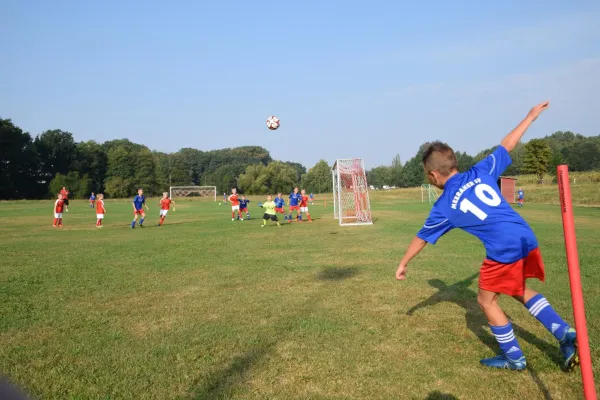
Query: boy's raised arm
{"points": [[511, 140]]}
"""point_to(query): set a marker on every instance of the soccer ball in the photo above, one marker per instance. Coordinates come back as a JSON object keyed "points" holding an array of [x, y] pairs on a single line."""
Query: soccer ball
{"points": [[272, 122]]}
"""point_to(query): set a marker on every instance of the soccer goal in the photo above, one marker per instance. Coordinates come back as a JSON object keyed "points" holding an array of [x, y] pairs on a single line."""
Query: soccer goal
{"points": [[351, 204], [193, 191], [428, 192]]}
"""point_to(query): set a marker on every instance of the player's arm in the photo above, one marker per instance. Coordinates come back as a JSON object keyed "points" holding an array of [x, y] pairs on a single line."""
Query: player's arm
{"points": [[414, 248], [511, 140], [146, 205]]}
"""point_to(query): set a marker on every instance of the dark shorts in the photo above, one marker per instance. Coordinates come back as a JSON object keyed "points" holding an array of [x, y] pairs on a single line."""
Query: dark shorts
{"points": [[66, 202], [272, 217]]}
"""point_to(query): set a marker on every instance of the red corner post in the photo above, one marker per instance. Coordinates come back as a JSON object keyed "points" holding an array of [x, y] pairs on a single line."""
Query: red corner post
{"points": [[566, 207]]}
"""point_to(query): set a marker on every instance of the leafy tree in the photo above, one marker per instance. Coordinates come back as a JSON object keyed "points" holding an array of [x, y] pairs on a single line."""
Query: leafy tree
{"points": [[254, 180], [56, 152], [464, 160], [379, 176], [413, 173], [396, 171], [118, 187], [91, 160], [318, 178], [281, 177], [18, 163], [536, 158]]}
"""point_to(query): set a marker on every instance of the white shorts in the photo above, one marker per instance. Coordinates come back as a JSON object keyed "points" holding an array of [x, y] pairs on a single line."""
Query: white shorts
{"points": [[304, 209], [57, 215], [100, 216], [163, 213], [234, 208]]}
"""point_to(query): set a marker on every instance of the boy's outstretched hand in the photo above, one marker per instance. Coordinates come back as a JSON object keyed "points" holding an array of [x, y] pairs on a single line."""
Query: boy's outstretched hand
{"points": [[537, 110], [401, 272]]}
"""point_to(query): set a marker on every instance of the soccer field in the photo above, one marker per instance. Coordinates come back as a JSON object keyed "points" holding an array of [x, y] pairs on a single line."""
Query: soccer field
{"points": [[207, 308]]}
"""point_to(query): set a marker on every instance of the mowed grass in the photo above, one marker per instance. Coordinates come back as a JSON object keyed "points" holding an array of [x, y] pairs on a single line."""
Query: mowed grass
{"points": [[207, 308]]}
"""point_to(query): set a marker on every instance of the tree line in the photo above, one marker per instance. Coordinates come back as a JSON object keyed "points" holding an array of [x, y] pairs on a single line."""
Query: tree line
{"points": [[537, 156], [35, 168], [38, 167]]}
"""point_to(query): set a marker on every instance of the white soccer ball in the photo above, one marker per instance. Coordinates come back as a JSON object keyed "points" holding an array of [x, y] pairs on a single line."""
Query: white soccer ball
{"points": [[272, 122]]}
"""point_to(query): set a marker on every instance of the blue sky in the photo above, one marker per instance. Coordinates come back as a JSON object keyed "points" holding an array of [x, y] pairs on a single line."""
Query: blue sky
{"points": [[347, 78]]}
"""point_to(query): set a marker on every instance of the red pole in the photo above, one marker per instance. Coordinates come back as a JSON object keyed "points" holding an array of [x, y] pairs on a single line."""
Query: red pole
{"points": [[566, 207]]}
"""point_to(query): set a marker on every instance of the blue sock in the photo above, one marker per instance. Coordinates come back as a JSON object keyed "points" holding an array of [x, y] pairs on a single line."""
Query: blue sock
{"points": [[299, 217], [133, 224], [507, 341], [141, 221], [539, 307]]}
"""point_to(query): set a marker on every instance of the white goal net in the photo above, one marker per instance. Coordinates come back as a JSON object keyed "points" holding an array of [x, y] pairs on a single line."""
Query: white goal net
{"points": [[194, 191], [351, 204], [428, 193]]}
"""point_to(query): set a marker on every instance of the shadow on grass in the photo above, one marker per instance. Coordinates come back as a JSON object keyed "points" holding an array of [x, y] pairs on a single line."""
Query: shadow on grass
{"points": [[460, 294], [437, 395], [221, 383], [337, 274]]}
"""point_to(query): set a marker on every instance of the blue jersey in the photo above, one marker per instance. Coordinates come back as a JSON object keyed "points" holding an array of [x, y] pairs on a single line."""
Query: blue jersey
{"points": [[139, 201], [92, 197], [471, 201], [279, 202], [244, 203], [311, 196], [295, 199], [521, 194]]}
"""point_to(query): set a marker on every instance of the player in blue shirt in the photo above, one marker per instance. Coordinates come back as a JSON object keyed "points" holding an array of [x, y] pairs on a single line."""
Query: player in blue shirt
{"points": [[521, 196], [279, 204], [295, 199], [312, 198], [139, 202], [244, 207], [92, 200], [471, 202]]}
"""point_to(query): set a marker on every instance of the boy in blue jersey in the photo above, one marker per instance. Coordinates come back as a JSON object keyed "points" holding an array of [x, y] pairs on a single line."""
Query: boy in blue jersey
{"points": [[92, 200], [521, 197], [312, 199], [471, 201], [295, 199], [244, 207], [279, 204], [139, 202]]}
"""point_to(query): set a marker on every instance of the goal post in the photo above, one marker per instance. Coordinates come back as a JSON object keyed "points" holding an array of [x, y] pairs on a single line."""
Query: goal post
{"points": [[428, 192], [193, 191], [351, 205]]}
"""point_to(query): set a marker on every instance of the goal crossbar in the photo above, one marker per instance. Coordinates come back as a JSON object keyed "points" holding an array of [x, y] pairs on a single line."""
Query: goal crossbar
{"points": [[185, 191]]}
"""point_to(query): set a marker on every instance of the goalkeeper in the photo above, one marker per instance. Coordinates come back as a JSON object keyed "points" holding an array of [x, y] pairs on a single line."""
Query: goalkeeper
{"points": [[269, 214]]}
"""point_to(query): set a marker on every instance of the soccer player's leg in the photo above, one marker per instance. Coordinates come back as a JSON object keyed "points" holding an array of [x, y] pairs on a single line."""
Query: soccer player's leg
{"points": [[496, 278], [274, 218], [143, 215], [540, 308], [266, 217], [511, 356], [135, 216]]}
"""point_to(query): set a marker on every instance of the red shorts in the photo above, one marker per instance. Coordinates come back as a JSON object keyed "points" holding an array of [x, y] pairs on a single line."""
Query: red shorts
{"points": [[243, 209], [279, 210], [136, 212], [292, 208], [510, 278]]}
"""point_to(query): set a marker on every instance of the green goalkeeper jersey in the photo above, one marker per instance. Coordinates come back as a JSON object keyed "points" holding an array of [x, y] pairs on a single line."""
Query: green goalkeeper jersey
{"points": [[269, 207]]}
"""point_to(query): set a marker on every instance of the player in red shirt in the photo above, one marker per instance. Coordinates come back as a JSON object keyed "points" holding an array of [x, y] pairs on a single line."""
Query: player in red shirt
{"points": [[100, 210], [235, 204], [58, 210], [304, 206], [65, 194], [165, 204]]}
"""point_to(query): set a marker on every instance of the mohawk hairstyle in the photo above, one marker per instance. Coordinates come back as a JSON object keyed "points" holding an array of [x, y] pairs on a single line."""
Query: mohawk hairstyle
{"points": [[440, 157]]}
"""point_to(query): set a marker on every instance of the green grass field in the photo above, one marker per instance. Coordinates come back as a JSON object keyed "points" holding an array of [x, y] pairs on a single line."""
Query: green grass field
{"points": [[207, 308]]}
